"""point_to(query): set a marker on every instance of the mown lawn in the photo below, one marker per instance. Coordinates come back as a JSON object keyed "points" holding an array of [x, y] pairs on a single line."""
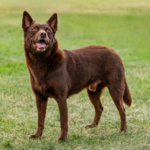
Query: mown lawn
{"points": [[121, 25]]}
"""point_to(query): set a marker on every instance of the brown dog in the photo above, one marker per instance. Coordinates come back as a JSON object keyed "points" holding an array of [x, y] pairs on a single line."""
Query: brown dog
{"points": [[61, 73]]}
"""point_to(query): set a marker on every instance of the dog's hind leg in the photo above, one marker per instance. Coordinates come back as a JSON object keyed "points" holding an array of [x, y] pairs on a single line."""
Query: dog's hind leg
{"points": [[116, 92], [95, 100]]}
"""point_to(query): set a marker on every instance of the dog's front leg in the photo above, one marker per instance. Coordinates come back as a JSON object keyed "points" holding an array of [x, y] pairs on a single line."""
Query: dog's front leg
{"points": [[63, 110], [41, 103]]}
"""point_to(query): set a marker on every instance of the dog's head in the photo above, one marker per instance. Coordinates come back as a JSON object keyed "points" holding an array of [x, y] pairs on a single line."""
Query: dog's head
{"points": [[39, 37]]}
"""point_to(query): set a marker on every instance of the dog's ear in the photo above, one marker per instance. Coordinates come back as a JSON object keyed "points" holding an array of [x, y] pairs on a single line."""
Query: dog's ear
{"points": [[26, 20], [53, 23]]}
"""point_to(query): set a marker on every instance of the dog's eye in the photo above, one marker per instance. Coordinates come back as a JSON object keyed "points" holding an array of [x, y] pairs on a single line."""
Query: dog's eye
{"points": [[34, 29], [47, 30]]}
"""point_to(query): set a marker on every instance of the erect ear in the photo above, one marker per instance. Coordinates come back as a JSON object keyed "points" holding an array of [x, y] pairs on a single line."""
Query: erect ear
{"points": [[53, 23], [26, 20]]}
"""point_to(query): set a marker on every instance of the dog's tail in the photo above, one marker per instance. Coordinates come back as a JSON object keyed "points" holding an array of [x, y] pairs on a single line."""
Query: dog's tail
{"points": [[127, 96]]}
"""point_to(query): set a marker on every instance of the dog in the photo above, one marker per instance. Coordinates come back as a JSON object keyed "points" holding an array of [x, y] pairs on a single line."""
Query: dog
{"points": [[61, 73]]}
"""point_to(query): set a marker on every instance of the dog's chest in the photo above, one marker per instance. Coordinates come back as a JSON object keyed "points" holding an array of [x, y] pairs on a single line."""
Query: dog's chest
{"points": [[44, 88]]}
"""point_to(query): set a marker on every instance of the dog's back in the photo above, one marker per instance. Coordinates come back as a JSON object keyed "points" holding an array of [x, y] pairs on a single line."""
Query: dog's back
{"points": [[87, 64]]}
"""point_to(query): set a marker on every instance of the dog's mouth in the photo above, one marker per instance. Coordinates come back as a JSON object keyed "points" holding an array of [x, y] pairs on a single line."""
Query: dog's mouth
{"points": [[40, 45]]}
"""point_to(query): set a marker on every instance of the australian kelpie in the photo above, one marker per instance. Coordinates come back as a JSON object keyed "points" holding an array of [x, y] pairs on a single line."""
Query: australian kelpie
{"points": [[61, 73]]}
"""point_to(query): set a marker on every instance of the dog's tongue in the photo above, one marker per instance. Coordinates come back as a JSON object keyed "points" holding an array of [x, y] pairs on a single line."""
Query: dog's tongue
{"points": [[41, 44]]}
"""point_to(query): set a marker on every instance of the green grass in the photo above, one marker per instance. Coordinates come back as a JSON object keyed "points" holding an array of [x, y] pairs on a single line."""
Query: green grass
{"points": [[121, 25]]}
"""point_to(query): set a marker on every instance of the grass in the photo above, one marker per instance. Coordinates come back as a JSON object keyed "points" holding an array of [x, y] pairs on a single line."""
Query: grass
{"points": [[121, 25]]}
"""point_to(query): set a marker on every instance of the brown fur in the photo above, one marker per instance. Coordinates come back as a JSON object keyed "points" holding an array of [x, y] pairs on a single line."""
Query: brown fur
{"points": [[61, 73]]}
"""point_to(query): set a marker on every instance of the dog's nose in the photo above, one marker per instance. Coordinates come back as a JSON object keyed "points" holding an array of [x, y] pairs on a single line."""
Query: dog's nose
{"points": [[43, 34]]}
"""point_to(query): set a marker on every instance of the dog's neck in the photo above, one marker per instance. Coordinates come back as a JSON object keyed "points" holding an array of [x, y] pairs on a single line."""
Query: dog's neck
{"points": [[40, 64]]}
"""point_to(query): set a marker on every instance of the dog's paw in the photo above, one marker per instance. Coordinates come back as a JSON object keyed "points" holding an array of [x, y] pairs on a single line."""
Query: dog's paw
{"points": [[123, 129], [34, 136], [91, 125], [62, 139]]}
